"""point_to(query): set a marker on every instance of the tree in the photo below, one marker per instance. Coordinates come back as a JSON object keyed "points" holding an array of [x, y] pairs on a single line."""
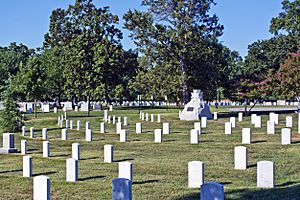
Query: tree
{"points": [[288, 20], [178, 33], [91, 45], [10, 120]]}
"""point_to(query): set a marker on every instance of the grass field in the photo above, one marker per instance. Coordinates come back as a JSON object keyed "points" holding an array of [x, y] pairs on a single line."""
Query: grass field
{"points": [[159, 170]]}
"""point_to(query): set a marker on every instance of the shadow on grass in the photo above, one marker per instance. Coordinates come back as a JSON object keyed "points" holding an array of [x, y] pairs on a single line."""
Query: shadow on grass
{"points": [[53, 129], [59, 155], [11, 171], [259, 141], [191, 196], [123, 160], [90, 178], [91, 158], [44, 173], [145, 182], [296, 142], [291, 193], [252, 166]]}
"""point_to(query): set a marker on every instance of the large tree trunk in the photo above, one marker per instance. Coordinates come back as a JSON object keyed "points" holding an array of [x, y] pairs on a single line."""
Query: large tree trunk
{"points": [[185, 94]]}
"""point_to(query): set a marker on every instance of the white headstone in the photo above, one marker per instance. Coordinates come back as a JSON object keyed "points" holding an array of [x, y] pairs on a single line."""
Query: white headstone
{"points": [[285, 136], [253, 116], [119, 119], [166, 128], [110, 108], [44, 134], [87, 125], [215, 115], [55, 109], [23, 147], [257, 122], [157, 135], [105, 115], [158, 118], [197, 126], [88, 135], [71, 124], [196, 174], [232, 121], [265, 174], [76, 108], [246, 136], [109, 119], [8, 143], [123, 135], [23, 130], [71, 170], [203, 122], [76, 151], [125, 170], [143, 116], [270, 127], [46, 149], [78, 125], [152, 117], [31, 132], [118, 127], [27, 166], [114, 119], [240, 117], [138, 128], [228, 127], [289, 121], [240, 157], [147, 117], [41, 188], [194, 136], [125, 121], [102, 127], [64, 134], [108, 153], [273, 117]]}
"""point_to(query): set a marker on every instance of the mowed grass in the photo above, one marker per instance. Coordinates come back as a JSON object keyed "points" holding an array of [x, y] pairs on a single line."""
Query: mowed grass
{"points": [[159, 170]]}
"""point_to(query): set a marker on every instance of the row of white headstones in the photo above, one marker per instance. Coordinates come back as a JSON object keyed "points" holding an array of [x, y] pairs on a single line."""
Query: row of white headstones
{"points": [[265, 169]]}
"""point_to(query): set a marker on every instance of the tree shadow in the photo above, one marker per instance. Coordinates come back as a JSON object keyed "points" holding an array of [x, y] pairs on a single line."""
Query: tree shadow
{"points": [[11, 171], [145, 182], [44, 173], [90, 178]]}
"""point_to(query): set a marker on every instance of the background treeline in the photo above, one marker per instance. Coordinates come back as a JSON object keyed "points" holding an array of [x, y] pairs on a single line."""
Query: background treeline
{"points": [[178, 50]]}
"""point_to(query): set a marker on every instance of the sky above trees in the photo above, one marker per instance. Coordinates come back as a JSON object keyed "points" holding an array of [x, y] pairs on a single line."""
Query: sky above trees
{"points": [[245, 21]]}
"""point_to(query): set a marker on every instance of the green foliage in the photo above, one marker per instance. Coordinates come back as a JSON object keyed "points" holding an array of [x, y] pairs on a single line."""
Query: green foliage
{"points": [[288, 20], [180, 35], [10, 117]]}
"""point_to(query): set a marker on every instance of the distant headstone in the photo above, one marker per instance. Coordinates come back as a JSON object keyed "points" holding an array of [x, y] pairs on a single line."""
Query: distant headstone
{"points": [[195, 174], [125, 170], [152, 117], [71, 170], [147, 116], [257, 122], [232, 121], [240, 117], [194, 136], [246, 136], [8, 144], [76, 151], [87, 125], [240, 157], [265, 174], [158, 118], [121, 189], [41, 188], [102, 127], [228, 127], [138, 128], [212, 191], [157, 135], [125, 121], [46, 149], [197, 126], [166, 128], [108, 153], [88, 135], [118, 127], [123, 135], [78, 125], [23, 130], [285, 136], [114, 119], [44, 134], [64, 134], [23, 147], [253, 116], [143, 116], [270, 127], [289, 121], [27, 166], [215, 115], [203, 122], [31, 132], [71, 124]]}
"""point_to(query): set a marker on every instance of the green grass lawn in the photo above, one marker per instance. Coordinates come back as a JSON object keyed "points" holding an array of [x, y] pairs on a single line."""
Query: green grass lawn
{"points": [[159, 170]]}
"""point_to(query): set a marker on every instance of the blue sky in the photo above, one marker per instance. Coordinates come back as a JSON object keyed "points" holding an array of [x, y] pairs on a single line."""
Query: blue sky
{"points": [[245, 21]]}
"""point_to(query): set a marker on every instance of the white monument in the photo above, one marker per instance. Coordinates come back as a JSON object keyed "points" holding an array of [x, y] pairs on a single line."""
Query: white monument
{"points": [[196, 108]]}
